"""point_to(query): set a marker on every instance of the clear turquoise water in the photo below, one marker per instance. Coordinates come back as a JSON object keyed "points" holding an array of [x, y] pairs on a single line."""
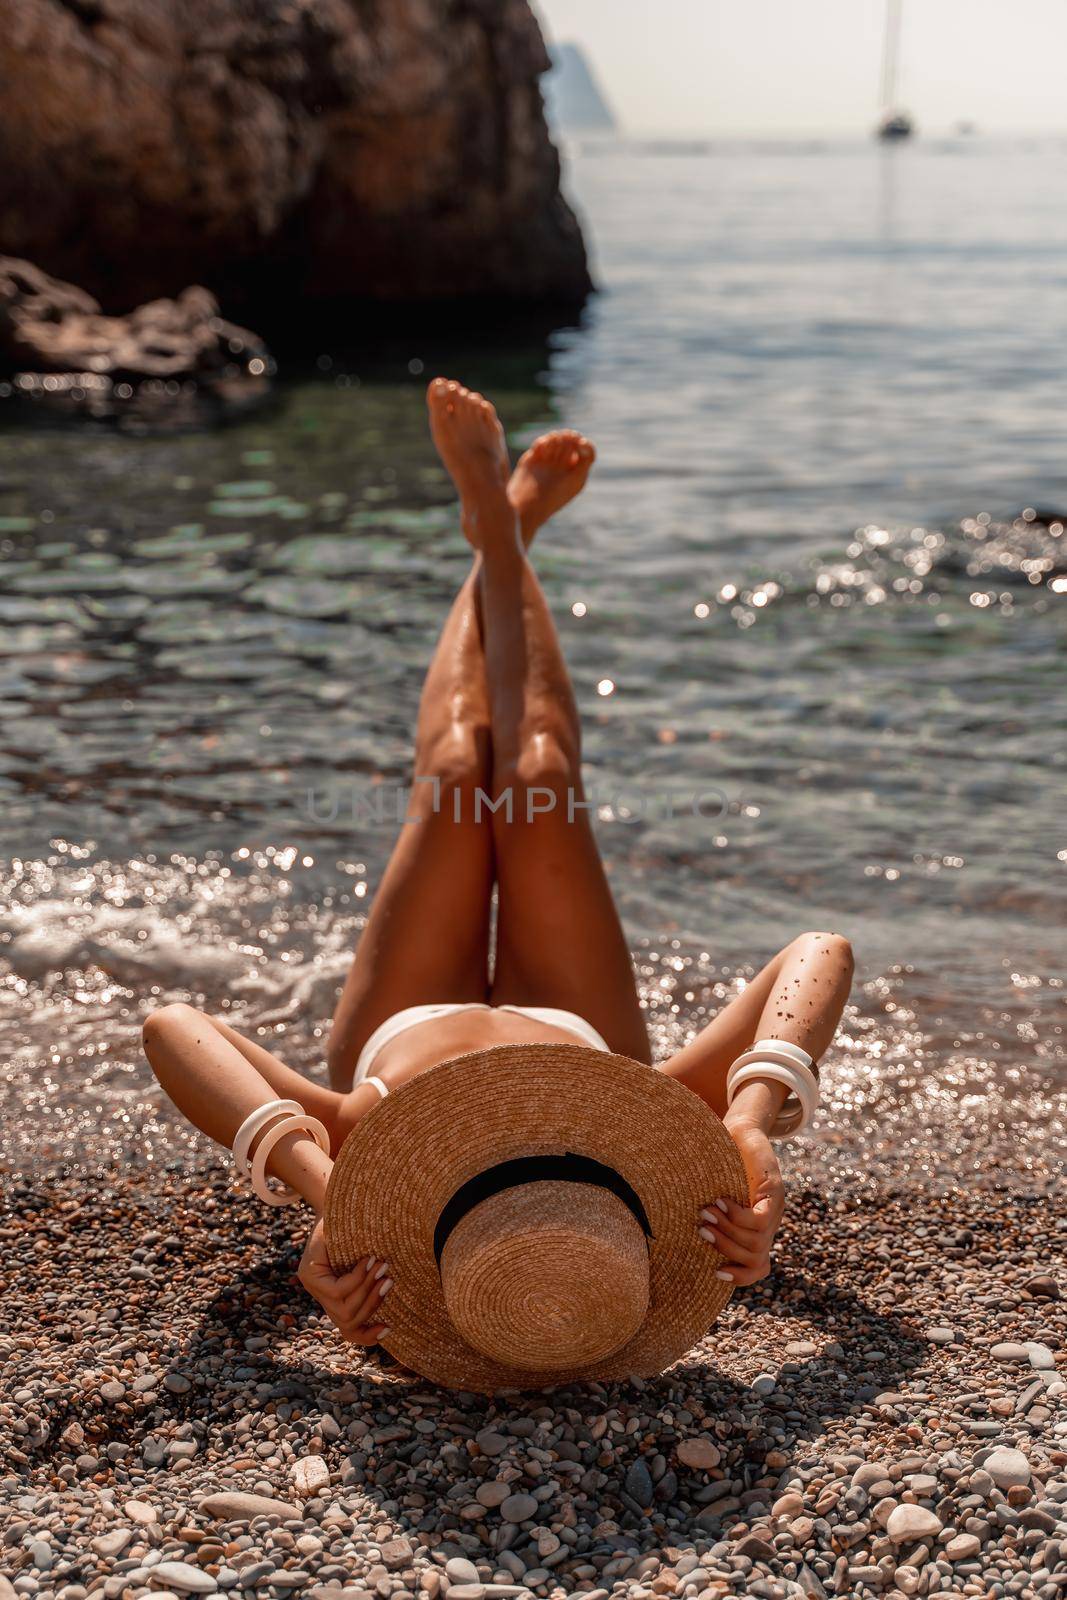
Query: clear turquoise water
{"points": [[207, 639]]}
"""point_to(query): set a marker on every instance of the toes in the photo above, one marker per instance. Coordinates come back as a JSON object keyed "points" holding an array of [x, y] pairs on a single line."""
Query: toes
{"points": [[564, 444], [441, 396]]}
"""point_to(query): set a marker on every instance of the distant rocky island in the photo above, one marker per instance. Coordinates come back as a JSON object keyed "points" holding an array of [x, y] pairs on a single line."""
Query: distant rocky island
{"points": [[574, 100]]}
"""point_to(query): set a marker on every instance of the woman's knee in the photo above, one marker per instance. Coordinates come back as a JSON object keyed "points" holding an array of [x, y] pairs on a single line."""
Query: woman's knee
{"points": [[451, 764], [545, 777]]}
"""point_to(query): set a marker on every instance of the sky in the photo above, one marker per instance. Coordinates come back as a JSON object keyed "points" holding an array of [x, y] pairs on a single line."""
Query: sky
{"points": [[777, 66]]}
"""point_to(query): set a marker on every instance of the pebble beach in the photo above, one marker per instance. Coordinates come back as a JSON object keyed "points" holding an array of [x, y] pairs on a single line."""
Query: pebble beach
{"points": [[884, 1416]]}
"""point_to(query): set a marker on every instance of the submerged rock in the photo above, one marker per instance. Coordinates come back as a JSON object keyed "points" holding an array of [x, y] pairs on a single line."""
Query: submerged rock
{"points": [[291, 157], [57, 344]]}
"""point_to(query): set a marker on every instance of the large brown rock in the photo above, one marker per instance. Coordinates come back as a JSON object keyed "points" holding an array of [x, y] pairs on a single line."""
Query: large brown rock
{"points": [[289, 154]]}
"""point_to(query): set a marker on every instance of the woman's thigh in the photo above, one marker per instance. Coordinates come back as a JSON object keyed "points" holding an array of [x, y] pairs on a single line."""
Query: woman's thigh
{"points": [[559, 939], [427, 934]]}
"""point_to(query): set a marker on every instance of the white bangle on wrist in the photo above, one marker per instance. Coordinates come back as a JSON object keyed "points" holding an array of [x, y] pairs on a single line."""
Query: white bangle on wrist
{"points": [[254, 1124], [274, 1121], [779, 1061], [284, 1196]]}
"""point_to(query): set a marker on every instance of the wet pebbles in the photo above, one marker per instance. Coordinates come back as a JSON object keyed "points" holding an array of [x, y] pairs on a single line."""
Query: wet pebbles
{"points": [[883, 1417]]}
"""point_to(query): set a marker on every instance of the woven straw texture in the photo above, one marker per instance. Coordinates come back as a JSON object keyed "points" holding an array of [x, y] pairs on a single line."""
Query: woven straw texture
{"points": [[406, 1158], [523, 1275]]}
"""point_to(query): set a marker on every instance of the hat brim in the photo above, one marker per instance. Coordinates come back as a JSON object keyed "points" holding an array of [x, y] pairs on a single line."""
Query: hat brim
{"points": [[409, 1155]]}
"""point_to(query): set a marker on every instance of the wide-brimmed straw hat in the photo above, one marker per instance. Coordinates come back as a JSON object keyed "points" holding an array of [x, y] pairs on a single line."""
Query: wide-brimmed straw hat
{"points": [[538, 1206]]}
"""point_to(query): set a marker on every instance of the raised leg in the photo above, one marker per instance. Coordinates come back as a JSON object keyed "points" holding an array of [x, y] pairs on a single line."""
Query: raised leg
{"points": [[559, 939], [427, 936]]}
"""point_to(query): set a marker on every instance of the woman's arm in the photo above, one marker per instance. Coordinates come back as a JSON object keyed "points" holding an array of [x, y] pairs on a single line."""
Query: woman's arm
{"points": [[799, 996], [217, 1079], [745, 1234]]}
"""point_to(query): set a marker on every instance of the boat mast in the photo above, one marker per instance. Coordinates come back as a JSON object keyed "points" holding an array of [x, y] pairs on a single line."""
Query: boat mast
{"points": [[891, 54]]}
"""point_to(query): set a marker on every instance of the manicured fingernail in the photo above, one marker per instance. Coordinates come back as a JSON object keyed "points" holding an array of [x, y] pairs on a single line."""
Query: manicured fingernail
{"points": [[706, 1233], [725, 1276], [721, 1205], [370, 1262], [383, 1331], [712, 1218], [384, 1288], [382, 1270]]}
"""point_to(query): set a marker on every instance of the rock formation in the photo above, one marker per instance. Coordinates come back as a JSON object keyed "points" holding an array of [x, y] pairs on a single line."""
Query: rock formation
{"points": [[47, 326], [574, 100], [295, 156]]}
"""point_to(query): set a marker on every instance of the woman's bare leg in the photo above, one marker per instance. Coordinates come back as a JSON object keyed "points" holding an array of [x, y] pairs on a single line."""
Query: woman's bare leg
{"points": [[428, 933], [427, 936], [559, 939]]}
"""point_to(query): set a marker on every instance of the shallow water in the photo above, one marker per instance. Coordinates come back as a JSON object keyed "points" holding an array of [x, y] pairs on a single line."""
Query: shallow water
{"points": [[211, 642]]}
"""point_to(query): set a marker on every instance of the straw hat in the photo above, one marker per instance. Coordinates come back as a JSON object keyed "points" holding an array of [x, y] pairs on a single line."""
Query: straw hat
{"points": [[538, 1205]]}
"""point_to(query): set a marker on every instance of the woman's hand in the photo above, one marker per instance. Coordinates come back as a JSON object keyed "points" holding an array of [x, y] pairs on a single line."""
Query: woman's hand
{"points": [[744, 1234], [352, 1300]]}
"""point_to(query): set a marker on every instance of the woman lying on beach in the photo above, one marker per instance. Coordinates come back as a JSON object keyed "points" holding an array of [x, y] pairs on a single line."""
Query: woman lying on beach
{"points": [[498, 720]]}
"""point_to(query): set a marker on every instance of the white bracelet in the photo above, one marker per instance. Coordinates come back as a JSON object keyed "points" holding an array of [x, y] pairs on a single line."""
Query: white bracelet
{"points": [[253, 1124], [379, 1085], [779, 1061], [301, 1123], [787, 1048]]}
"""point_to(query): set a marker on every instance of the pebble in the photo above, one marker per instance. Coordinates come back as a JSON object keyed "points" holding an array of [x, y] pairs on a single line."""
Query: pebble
{"points": [[1009, 1469], [1041, 1357], [518, 1508], [113, 1543], [141, 1512], [234, 1506], [962, 1547], [491, 1443], [1043, 1287], [639, 1483], [867, 1474], [764, 1384], [1009, 1352], [700, 1453], [309, 1475], [460, 1570], [180, 1575], [397, 1553], [788, 1505], [907, 1524]]}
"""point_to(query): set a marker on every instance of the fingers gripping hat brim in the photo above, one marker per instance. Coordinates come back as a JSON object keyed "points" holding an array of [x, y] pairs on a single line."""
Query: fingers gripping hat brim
{"points": [[406, 1159]]}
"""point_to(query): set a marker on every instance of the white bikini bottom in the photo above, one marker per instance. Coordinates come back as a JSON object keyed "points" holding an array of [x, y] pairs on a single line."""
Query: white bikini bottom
{"points": [[413, 1015]]}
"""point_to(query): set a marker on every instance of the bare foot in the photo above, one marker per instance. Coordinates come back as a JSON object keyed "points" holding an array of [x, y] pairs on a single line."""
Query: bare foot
{"points": [[550, 474], [470, 442]]}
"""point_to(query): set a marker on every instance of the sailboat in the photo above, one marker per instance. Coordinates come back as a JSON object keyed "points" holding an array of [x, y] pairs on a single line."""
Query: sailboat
{"points": [[893, 123]]}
